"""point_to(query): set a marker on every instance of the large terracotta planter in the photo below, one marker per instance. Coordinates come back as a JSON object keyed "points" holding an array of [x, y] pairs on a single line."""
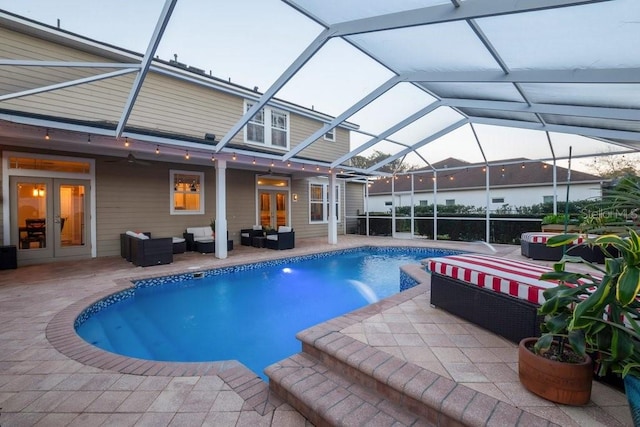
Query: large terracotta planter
{"points": [[560, 382]]}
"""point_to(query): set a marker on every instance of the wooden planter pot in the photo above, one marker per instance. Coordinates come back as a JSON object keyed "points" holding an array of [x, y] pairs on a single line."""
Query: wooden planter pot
{"points": [[566, 383]]}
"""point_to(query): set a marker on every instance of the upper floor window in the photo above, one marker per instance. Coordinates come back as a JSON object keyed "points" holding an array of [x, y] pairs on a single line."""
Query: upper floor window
{"points": [[497, 200], [330, 135], [187, 192], [267, 127]]}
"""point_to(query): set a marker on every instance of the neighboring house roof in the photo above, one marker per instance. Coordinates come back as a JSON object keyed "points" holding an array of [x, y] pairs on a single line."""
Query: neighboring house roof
{"points": [[514, 173]]}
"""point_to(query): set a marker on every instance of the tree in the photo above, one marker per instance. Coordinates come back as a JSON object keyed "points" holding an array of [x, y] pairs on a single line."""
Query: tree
{"points": [[615, 165], [375, 158]]}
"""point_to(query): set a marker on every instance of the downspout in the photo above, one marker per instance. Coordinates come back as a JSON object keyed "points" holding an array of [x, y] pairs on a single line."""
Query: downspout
{"points": [[366, 207], [555, 176]]}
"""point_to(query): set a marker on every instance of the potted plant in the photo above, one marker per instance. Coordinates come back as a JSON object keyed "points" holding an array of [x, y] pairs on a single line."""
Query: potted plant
{"points": [[600, 311], [554, 366]]}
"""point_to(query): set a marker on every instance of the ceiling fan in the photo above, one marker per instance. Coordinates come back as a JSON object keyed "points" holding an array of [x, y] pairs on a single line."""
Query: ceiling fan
{"points": [[131, 159]]}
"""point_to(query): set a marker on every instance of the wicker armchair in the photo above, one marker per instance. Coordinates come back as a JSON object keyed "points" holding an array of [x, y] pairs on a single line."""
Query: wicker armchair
{"points": [[247, 234], [284, 238]]}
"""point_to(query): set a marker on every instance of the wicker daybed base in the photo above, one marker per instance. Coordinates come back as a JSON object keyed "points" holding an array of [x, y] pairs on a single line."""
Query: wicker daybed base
{"points": [[502, 314]]}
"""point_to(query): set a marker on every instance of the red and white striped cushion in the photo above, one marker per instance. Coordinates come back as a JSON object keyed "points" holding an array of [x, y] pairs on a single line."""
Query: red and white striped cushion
{"points": [[516, 278], [540, 237]]}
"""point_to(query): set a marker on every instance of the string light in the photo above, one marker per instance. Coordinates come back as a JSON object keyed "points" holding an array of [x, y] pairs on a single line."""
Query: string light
{"points": [[523, 165], [213, 158], [126, 141], [254, 161], [302, 167], [288, 164], [234, 156], [89, 138], [157, 149], [46, 135], [186, 156], [317, 168]]}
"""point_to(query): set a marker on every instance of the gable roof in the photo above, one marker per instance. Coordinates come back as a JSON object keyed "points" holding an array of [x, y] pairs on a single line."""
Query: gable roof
{"points": [[453, 175]]}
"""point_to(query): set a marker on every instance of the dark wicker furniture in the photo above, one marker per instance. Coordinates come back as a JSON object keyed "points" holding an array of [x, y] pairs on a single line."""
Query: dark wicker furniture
{"points": [[281, 240], [247, 235], [147, 252], [502, 314]]}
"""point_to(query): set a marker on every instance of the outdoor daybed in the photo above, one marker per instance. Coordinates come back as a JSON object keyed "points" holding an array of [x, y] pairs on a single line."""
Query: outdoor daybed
{"points": [[498, 294], [534, 245]]}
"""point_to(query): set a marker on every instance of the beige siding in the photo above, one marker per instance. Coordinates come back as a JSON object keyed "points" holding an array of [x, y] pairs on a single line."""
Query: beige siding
{"points": [[180, 107], [145, 206], [322, 150], [354, 204], [300, 212], [164, 104]]}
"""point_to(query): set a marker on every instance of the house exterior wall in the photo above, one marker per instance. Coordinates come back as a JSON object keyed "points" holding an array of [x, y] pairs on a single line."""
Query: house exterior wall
{"points": [[354, 204], [164, 104], [514, 197]]}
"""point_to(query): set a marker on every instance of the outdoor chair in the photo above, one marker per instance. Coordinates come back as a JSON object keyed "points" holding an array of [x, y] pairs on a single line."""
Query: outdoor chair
{"points": [[247, 234], [284, 238], [146, 251]]}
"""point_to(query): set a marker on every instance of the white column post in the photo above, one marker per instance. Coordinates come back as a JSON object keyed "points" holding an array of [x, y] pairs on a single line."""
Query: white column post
{"points": [[221, 209], [333, 225]]}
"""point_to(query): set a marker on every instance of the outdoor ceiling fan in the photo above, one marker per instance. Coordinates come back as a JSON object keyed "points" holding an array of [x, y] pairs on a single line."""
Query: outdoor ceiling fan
{"points": [[131, 159]]}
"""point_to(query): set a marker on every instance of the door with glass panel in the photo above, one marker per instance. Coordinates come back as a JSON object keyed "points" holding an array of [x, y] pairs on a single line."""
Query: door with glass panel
{"points": [[50, 217], [273, 208]]}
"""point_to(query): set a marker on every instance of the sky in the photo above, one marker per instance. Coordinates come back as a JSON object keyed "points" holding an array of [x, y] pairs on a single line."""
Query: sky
{"points": [[251, 42]]}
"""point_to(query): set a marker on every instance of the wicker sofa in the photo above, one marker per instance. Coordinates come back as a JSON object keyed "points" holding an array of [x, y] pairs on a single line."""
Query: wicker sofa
{"points": [[498, 294], [205, 234]]}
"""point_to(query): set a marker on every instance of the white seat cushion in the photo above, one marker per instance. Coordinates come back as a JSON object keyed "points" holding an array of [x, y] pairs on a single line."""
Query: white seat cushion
{"points": [[272, 237], [257, 227], [284, 229], [244, 234], [178, 240]]}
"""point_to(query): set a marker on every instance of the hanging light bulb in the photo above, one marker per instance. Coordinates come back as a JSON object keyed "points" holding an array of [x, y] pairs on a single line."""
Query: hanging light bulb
{"points": [[254, 161], [302, 167], [234, 156], [126, 141], [288, 164], [157, 149], [271, 163], [46, 135], [213, 158], [186, 155], [89, 138]]}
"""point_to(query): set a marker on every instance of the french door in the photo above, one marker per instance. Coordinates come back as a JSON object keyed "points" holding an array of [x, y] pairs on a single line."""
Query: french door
{"points": [[272, 205], [50, 217]]}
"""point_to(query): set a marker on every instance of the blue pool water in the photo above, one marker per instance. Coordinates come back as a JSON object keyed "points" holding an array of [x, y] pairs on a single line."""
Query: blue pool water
{"points": [[250, 313]]}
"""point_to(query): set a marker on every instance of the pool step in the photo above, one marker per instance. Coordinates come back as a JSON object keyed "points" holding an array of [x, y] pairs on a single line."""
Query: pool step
{"points": [[328, 399], [337, 378]]}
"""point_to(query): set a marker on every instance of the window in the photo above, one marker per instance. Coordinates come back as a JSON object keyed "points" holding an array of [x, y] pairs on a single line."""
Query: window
{"points": [[450, 202], [330, 135], [319, 207], [268, 127], [423, 203], [187, 192], [389, 203], [547, 199], [497, 200]]}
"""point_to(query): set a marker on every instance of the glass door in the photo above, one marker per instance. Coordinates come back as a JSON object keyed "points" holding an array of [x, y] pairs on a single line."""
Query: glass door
{"points": [[49, 217], [273, 208]]}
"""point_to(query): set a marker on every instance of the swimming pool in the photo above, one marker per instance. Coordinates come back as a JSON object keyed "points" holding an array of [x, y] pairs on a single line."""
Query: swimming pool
{"points": [[249, 313]]}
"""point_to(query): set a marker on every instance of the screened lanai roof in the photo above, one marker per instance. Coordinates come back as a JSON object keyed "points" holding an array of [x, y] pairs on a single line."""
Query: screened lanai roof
{"points": [[425, 80]]}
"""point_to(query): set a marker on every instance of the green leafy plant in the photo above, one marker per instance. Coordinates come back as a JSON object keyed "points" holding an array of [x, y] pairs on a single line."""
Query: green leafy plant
{"points": [[597, 313]]}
